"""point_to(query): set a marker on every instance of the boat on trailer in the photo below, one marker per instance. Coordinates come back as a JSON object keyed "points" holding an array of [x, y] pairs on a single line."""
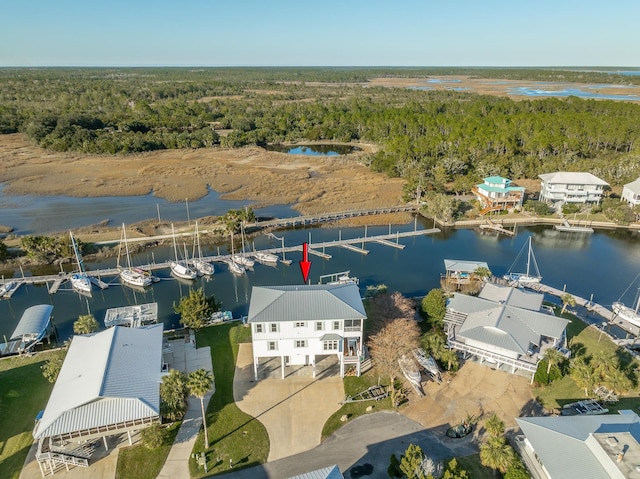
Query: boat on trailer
{"points": [[428, 363], [411, 371]]}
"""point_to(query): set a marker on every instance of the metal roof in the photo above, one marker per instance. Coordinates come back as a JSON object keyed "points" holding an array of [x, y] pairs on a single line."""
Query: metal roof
{"points": [[512, 296], [569, 446], [634, 186], [332, 472], [34, 321], [572, 178], [331, 337], [305, 303], [502, 325], [106, 378], [464, 266]]}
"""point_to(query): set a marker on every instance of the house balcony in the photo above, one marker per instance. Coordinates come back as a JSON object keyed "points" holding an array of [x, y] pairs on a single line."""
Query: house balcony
{"points": [[507, 201]]}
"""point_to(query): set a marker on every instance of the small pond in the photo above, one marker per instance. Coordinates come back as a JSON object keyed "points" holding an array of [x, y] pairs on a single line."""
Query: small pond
{"points": [[314, 150]]}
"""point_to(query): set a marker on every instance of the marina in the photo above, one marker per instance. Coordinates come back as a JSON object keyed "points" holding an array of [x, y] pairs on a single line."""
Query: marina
{"points": [[566, 258]]}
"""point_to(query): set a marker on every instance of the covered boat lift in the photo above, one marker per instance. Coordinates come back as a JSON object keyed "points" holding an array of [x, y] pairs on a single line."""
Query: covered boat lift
{"points": [[34, 326]]}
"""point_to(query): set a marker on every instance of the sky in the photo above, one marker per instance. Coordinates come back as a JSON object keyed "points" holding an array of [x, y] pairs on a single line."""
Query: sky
{"points": [[319, 33]]}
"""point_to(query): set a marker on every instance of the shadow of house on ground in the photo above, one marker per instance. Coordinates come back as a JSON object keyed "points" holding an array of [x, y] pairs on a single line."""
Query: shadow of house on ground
{"points": [[365, 445]]}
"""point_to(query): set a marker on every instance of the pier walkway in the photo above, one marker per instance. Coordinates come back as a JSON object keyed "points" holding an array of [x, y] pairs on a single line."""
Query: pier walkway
{"points": [[391, 239]]}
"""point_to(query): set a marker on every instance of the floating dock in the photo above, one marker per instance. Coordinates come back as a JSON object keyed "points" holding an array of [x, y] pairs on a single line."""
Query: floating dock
{"points": [[132, 316]]}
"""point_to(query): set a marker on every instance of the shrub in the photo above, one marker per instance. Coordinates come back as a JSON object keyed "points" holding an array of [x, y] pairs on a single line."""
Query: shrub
{"points": [[153, 436]]}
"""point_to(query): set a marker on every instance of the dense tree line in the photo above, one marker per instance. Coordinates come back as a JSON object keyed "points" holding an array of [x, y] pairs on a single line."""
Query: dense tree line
{"points": [[430, 138]]}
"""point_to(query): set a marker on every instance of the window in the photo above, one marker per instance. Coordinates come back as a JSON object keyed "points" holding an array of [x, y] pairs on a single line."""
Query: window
{"points": [[336, 325], [301, 343], [330, 345], [272, 345], [319, 326], [258, 328], [274, 327], [352, 324], [299, 324]]}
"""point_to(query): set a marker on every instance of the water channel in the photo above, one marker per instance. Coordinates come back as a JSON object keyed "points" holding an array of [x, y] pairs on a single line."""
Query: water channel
{"points": [[604, 264]]}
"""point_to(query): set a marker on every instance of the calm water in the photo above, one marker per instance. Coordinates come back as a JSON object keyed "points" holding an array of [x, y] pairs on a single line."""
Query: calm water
{"points": [[603, 264], [29, 214], [314, 150], [579, 92]]}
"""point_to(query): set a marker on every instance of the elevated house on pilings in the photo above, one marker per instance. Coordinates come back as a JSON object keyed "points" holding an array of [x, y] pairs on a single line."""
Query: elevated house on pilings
{"points": [[459, 274], [497, 194], [109, 384], [503, 327], [303, 324]]}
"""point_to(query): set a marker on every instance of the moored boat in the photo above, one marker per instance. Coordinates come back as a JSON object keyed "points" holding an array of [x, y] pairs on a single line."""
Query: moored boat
{"points": [[180, 268], [79, 280], [266, 257], [236, 268], [7, 288], [630, 315], [128, 275], [528, 277]]}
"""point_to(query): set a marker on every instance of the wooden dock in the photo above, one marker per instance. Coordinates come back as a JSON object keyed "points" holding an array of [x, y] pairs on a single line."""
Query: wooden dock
{"points": [[496, 227], [317, 249]]}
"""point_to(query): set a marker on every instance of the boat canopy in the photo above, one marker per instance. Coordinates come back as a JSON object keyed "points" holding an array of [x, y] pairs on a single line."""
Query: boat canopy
{"points": [[34, 322]]}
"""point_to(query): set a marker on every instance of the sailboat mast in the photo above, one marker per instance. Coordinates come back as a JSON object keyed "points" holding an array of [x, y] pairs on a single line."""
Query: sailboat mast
{"points": [[175, 247], [76, 252], [126, 245], [529, 256]]}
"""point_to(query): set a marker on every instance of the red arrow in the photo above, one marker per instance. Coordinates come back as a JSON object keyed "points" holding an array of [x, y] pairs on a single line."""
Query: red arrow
{"points": [[305, 264]]}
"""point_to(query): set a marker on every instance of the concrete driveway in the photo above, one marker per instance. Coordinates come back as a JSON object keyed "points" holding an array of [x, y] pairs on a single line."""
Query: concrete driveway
{"points": [[293, 409]]}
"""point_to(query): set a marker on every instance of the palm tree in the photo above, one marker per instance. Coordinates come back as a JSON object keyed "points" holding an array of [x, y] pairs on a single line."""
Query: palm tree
{"points": [[583, 374], [497, 454], [567, 300], [435, 343], [494, 425], [450, 358], [85, 324], [618, 382], [553, 356], [605, 362], [199, 383], [482, 272]]}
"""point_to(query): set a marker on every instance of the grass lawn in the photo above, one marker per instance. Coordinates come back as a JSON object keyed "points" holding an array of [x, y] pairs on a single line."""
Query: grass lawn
{"points": [[23, 394], [474, 467], [352, 386], [232, 433], [143, 463], [584, 340]]}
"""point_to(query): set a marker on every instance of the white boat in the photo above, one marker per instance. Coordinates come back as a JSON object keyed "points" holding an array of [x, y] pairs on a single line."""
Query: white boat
{"points": [[236, 268], [180, 268], [528, 276], [411, 371], [266, 257], [202, 266], [243, 260], [7, 288], [629, 314], [79, 280], [128, 275], [338, 278], [428, 363]]}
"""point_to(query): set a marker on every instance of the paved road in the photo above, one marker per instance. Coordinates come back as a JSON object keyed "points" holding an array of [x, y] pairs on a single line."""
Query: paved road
{"points": [[367, 440]]}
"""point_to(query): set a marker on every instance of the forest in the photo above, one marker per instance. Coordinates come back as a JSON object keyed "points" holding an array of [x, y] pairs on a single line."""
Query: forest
{"points": [[433, 139]]}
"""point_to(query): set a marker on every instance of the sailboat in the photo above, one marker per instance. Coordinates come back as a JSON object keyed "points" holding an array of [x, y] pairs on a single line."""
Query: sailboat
{"points": [[235, 267], [532, 267], [180, 268], [202, 266], [411, 371], [128, 275], [629, 314], [428, 363], [79, 280], [243, 259]]}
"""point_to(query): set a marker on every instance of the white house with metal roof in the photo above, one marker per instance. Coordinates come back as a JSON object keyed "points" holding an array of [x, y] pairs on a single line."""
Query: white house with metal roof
{"points": [[581, 447], [571, 187], [503, 326], [631, 193], [302, 324], [109, 384]]}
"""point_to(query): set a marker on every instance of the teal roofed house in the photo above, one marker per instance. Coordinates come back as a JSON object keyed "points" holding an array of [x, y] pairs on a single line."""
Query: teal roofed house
{"points": [[497, 194]]}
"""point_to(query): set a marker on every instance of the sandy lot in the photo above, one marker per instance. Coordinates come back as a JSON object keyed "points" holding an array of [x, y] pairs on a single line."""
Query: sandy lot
{"points": [[474, 390], [311, 184]]}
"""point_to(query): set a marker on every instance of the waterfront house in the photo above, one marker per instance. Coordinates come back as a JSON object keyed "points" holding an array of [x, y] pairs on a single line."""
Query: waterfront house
{"points": [[503, 326], [631, 193], [497, 193], [459, 273], [109, 384], [571, 187], [578, 447], [303, 324]]}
